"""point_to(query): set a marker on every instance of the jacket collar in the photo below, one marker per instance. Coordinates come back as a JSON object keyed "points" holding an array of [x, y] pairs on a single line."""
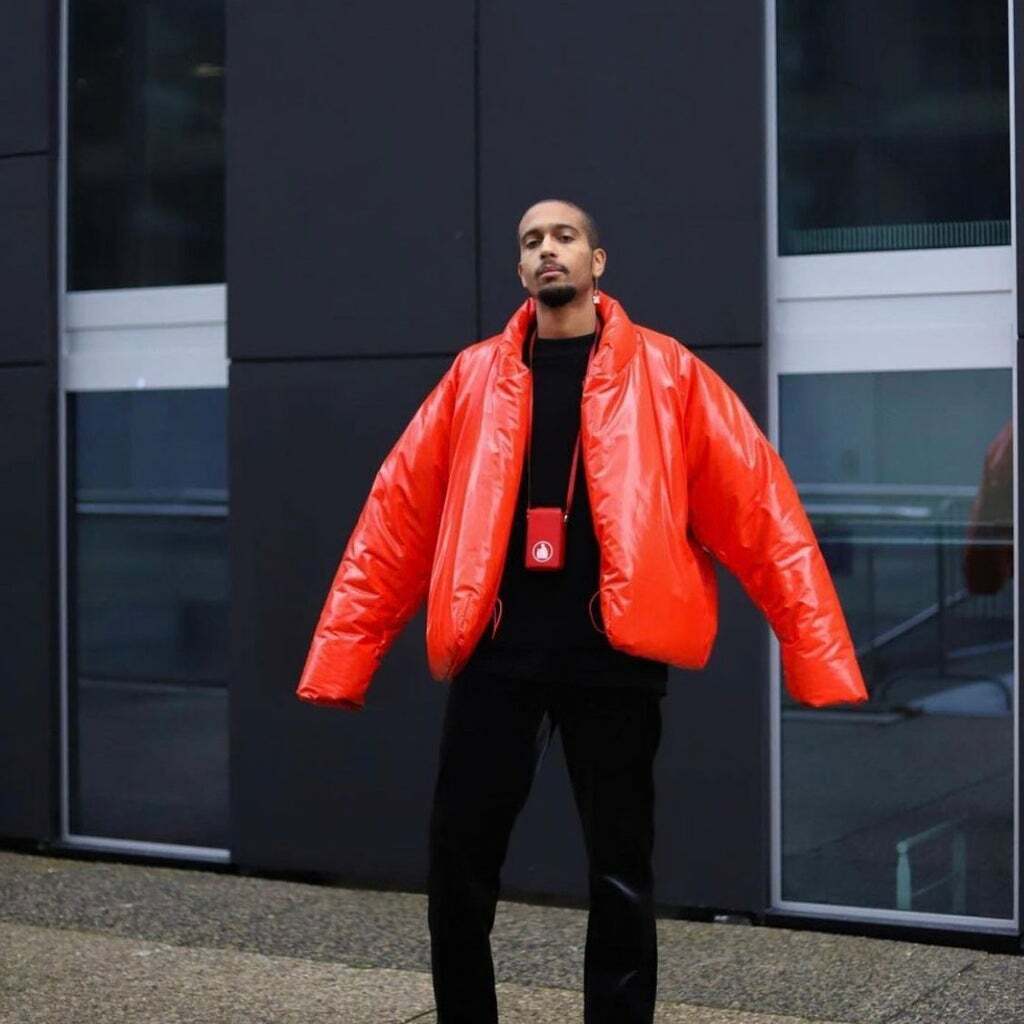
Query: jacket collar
{"points": [[618, 334]]}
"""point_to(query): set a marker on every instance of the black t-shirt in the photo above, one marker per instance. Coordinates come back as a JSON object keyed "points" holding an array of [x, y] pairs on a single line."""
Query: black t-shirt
{"points": [[545, 630]]}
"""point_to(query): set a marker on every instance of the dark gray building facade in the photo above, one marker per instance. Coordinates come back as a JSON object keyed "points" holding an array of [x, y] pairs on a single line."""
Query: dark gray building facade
{"points": [[242, 242]]}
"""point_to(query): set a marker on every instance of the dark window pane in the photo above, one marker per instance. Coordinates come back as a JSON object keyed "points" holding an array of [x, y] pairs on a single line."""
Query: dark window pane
{"points": [[145, 143], [907, 803], [149, 608], [893, 125]]}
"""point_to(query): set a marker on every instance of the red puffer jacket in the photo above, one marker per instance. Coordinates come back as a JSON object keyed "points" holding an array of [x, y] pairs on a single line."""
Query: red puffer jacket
{"points": [[677, 471]]}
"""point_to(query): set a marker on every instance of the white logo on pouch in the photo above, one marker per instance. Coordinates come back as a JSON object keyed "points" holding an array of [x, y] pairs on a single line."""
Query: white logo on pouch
{"points": [[542, 551]]}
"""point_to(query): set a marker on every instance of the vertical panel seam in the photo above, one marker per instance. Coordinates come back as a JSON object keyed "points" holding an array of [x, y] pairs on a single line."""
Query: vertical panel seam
{"points": [[476, 170]]}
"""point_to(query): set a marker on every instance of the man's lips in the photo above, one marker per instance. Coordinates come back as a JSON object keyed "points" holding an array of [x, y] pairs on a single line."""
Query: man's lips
{"points": [[551, 270]]}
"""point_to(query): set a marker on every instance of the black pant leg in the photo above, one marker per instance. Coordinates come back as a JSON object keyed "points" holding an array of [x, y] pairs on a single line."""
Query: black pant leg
{"points": [[610, 736], [491, 745]]}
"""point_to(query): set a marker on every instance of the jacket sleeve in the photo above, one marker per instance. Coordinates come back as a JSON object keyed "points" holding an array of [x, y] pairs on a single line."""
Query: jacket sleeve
{"points": [[744, 508], [385, 568]]}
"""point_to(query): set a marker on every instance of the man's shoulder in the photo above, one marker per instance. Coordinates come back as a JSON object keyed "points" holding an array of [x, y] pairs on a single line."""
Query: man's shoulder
{"points": [[666, 345], [479, 348], [477, 353], [469, 364]]}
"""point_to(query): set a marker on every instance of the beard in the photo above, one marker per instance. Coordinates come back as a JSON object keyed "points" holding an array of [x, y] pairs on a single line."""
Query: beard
{"points": [[555, 295]]}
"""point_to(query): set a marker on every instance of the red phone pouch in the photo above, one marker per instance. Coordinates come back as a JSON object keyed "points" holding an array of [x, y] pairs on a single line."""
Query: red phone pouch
{"points": [[545, 538]]}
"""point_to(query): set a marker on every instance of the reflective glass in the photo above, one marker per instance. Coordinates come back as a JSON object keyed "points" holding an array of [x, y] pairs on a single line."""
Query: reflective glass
{"points": [[148, 605], [145, 143], [893, 125], [906, 802]]}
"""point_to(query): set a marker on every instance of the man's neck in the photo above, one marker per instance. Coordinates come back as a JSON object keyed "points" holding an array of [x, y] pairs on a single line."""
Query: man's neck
{"points": [[573, 320]]}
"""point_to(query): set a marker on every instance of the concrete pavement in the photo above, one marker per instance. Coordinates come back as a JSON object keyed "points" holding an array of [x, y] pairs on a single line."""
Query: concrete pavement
{"points": [[97, 940]]}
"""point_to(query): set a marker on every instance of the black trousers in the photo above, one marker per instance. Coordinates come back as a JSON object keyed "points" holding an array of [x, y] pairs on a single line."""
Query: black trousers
{"points": [[492, 741]]}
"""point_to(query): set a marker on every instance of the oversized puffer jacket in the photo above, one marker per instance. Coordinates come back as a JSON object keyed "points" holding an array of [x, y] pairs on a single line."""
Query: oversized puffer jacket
{"points": [[677, 471]]}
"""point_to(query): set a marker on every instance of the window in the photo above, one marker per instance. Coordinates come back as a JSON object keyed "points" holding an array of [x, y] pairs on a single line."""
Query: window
{"points": [[146, 153], [907, 803], [149, 604], [893, 125]]}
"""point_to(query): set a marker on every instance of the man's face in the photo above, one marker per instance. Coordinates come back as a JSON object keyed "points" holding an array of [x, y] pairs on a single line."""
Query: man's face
{"points": [[556, 263]]}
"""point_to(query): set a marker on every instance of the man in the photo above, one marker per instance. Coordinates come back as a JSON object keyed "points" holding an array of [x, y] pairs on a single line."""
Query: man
{"points": [[476, 507]]}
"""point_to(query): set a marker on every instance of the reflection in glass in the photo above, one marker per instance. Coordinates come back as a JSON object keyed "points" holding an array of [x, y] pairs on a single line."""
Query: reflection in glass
{"points": [[145, 143], [906, 803], [148, 613], [893, 125]]}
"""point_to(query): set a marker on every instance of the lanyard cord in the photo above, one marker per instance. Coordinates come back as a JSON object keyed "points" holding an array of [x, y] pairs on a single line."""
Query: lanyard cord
{"points": [[576, 450]]}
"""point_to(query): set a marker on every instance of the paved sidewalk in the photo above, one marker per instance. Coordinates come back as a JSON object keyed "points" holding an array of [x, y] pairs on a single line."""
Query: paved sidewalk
{"points": [[85, 941]]}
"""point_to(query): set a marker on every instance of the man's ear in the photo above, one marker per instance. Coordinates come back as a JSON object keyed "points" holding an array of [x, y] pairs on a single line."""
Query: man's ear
{"points": [[598, 261], [519, 271]]}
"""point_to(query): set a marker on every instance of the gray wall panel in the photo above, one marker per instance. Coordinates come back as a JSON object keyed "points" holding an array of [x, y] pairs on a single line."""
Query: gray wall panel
{"points": [[350, 179], [28, 66], [364, 252], [29, 725], [28, 720], [26, 276], [317, 788], [633, 112]]}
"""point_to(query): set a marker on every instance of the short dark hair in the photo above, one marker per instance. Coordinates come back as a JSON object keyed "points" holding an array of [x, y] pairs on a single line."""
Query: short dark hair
{"points": [[589, 224]]}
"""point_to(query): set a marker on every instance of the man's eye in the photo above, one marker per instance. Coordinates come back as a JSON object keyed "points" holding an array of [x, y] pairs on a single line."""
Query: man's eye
{"points": [[566, 238]]}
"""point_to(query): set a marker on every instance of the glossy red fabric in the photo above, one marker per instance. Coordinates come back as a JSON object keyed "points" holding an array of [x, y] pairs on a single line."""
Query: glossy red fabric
{"points": [[678, 472]]}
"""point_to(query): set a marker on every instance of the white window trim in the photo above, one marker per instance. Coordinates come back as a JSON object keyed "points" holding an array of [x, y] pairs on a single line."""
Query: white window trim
{"points": [[128, 338], [901, 272]]}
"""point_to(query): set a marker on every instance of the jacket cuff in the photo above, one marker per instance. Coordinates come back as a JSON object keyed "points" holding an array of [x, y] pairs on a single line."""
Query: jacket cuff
{"points": [[819, 681], [337, 674], [331, 702]]}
